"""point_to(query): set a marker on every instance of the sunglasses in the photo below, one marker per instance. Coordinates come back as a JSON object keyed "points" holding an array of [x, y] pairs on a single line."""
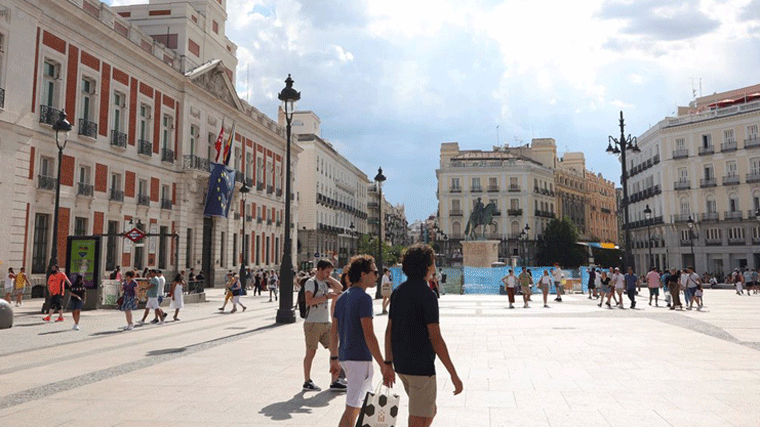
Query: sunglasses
{"points": [[375, 271]]}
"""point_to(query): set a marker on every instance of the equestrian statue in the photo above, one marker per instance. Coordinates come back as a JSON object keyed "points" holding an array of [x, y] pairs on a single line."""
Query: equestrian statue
{"points": [[480, 216]]}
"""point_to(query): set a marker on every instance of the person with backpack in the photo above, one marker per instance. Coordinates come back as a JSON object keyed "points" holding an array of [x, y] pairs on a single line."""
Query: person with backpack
{"points": [[272, 285], [314, 307]]}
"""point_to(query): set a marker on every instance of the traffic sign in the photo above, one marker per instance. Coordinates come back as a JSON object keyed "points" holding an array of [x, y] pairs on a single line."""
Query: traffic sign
{"points": [[134, 234]]}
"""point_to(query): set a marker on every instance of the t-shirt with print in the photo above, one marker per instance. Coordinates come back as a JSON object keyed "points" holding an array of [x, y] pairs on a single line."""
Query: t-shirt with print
{"points": [[557, 274], [692, 280], [20, 281], [653, 279], [129, 288], [350, 308], [152, 292], [511, 281], [413, 307], [319, 313], [78, 290]]}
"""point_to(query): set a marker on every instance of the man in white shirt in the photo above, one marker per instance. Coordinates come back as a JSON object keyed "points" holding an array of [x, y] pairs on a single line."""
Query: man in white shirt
{"points": [[692, 280], [558, 276], [619, 280]]}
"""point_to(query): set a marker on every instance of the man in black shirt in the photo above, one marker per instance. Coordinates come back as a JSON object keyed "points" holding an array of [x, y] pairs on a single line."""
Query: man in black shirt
{"points": [[413, 337]]}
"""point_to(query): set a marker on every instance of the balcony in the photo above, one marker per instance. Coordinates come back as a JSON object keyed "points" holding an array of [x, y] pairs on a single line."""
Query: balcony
{"points": [[143, 200], [167, 155], [249, 218], [703, 151], [278, 223], [456, 212], [239, 177], [166, 204], [493, 189], [752, 142], [708, 182], [88, 128], [729, 145], [278, 192], [259, 220], [681, 218], [605, 211], [514, 212], [269, 221], [144, 147], [710, 216], [118, 139], [687, 242], [680, 154], [544, 214], [514, 189], [713, 242], [191, 161], [455, 189], [733, 216], [2, 98], [236, 216], [497, 213], [752, 214], [116, 195], [477, 189], [259, 186], [656, 159], [736, 241], [46, 182], [753, 177], [270, 189], [731, 180], [84, 189], [49, 115], [681, 185]]}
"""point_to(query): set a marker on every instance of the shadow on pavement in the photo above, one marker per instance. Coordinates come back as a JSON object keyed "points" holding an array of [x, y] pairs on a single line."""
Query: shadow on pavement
{"points": [[95, 334], [298, 405], [165, 351], [54, 332]]}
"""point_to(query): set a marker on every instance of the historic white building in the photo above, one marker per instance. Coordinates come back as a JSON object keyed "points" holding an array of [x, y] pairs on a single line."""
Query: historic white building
{"points": [[333, 196], [703, 165], [147, 89]]}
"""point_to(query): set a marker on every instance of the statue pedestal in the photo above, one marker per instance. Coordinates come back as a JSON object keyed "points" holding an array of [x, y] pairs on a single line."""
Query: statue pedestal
{"points": [[479, 253]]}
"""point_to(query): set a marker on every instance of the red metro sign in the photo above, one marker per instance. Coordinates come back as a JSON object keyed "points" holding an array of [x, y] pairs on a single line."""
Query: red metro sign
{"points": [[134, 235]]}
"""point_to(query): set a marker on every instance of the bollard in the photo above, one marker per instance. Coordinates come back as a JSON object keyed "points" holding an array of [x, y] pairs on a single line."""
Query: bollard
{"points": [[6, 315]]}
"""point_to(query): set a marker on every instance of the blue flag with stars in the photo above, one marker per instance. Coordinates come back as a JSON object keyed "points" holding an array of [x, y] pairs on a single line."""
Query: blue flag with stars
{"points": [[221, 184]]}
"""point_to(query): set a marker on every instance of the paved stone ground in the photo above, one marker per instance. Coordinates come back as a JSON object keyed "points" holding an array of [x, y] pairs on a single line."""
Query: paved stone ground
{"points": [[572, 364]]}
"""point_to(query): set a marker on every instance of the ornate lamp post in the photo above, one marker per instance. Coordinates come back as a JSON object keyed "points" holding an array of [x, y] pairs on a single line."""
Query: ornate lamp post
{"points": [[289, 97], [352, 227], [690, 222], [243, 191], [379, 179], [62, 125], [524, 235], [620, 147], [648, 216]]}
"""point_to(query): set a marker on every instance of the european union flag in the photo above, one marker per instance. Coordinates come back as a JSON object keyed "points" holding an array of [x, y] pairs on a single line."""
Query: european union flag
{"points": [[221, 184]]}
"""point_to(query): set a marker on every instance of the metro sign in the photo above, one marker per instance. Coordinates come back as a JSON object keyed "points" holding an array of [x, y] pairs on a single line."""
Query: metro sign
{"points": [[134, 234]]}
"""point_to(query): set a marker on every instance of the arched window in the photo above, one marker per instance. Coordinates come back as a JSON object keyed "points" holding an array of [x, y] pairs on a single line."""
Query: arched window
{"points": [[514, 228], [456, 228]]}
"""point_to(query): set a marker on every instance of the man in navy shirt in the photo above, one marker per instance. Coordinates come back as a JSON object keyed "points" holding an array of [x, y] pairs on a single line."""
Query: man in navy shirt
{"points": [[352, 328], [631, 281], [413, 337]]}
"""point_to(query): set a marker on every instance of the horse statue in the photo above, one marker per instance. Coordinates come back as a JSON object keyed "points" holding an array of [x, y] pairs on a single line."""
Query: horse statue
{"points": [[480, 216]]}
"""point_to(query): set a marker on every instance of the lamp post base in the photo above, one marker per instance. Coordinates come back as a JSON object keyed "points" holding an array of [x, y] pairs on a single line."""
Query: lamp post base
{"points": [[285, 316]]}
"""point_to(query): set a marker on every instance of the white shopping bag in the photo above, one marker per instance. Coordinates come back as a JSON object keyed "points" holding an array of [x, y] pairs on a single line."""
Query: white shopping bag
{"points": [[380, 408]]}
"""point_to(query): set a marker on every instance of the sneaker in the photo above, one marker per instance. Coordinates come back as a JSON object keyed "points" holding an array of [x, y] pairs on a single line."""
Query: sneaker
{"points": [[141, 322], [221, 308], [338, 386], [546, 306], [161, 322], [60, 319], [511, 306], [129, 327], [600, 304], [589, 297], [244, 308], [310, 386], [75, 328], [154, 321], [559, 299], [164, 316], [233, 310], [46, 318]]}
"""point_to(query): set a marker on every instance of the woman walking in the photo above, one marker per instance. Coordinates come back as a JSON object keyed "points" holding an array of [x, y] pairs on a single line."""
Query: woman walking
{"points": [[674, 286], [129, 299], [606, 290], [20, 285], [10, 280], [272, 286], [227, 292], [544, 283], [510, 280], [76, 301], [237, 289], [177, 299]]}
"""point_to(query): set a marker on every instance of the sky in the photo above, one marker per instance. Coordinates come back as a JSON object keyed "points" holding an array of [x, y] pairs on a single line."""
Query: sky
{"points": [[391, 80]]}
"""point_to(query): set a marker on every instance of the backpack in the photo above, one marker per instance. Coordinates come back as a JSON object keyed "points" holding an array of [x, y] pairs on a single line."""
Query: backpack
{"points": [[303, 310]]}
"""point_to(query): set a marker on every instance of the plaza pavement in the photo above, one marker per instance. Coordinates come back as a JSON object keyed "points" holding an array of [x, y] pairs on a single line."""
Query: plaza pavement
{"points": [[574, 364]]}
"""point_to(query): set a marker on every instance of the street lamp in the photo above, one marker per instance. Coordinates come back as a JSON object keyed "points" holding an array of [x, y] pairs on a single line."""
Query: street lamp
{"points": [[379, 179], [285, 314], [524, 233], [690, 222], [243, 191], [62, 125], [620, 147], [352, 227], [648, 216]]}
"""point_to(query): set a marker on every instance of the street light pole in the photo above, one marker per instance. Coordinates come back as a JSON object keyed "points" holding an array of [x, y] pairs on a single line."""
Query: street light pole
{"points": [[648, 216], [285, 314], [243, 191], [690, 222], [379, 179], [62, 125], [525, 244], [620, 147]]}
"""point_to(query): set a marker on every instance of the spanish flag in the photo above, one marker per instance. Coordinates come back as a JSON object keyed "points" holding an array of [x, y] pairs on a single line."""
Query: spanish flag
{"points": [[228, 146]]}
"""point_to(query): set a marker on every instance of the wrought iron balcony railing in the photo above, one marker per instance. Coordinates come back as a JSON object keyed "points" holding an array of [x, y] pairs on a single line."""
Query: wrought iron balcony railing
{"points": [[116, 195], [46, 182], [118, 139], [144, 147], [84, 189]]}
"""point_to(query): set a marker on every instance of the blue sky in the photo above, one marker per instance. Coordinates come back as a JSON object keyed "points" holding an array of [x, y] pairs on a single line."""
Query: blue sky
{"points": [[391, 80]]}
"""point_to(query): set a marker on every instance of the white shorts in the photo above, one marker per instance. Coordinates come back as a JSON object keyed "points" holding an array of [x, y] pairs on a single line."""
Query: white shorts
{"points": [[236, 299], [359, 379], [152, 303]]}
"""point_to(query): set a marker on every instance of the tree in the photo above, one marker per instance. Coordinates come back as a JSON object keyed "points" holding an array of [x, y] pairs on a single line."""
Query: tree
{"points": [[391, 254], [558, 244]]}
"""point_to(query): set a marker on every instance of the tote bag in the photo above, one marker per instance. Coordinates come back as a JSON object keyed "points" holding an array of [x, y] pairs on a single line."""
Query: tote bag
{"points": [[380, 408]]}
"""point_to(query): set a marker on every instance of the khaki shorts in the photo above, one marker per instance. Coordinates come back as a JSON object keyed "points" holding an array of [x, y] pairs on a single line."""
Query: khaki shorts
{"points": [[422, 392], [386, 291], [315, 334]]}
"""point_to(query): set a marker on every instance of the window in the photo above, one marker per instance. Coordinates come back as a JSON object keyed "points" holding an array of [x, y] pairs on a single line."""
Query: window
{"points": [[731, 169], [166, 194], [142, 188], [685, 207], [680, 144], [513, 182], [46, 166], [211, 150], [514, 204], [248, 166], [238, 157], [40, 243], [736, 233], [455, 183], [713, 234], [119, 103], [116, 181], [754, 166], [728, 135], [144, 122], [222, 249], [234, 249], [84, 174], [476, 184], [712, 206], [166, 135], [491, 182], [707, 140], [260, 169], [683, 175], [194, 134], [709, 172], [111, 242], [189, 248], [733, 203], [278, 174], [269, 175], [88, 96], [51, 77], [80, 226]]}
